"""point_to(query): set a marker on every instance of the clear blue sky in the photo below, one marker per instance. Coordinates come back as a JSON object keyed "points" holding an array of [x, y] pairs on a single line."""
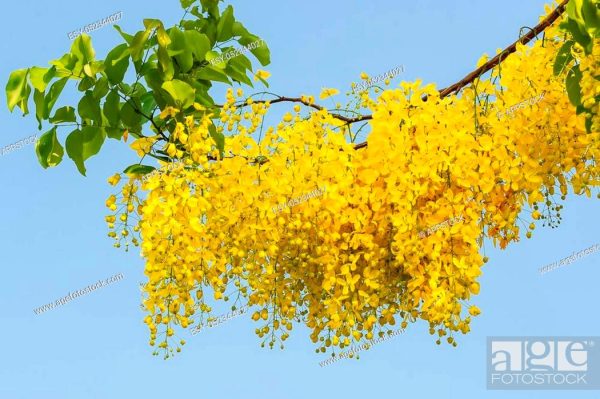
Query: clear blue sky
{"points": [[53, 236]]}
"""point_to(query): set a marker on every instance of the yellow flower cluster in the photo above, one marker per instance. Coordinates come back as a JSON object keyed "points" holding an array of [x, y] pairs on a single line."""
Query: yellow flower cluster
{"points": [[350, 264]]}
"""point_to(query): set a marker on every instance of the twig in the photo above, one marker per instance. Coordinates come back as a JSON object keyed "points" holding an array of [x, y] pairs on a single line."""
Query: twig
{"points": [[456, 87]]}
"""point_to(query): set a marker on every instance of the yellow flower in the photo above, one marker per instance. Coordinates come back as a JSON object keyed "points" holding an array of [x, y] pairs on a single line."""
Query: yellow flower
{"points": [[168, 111], [326, 93], [482, 60], [114, 179], [262, 75], [364, 76], [143, 145], [307, 99], [238, 225], [171, 149], [474, 311]]}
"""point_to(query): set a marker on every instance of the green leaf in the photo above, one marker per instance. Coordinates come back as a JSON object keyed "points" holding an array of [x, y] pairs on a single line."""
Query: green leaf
{"points": [[152, 23], [64, 114], [128, 38], [210, 30], [40, 77], [574, 11], [138, 43], [116, 63], [202, 96], [179, 49], [212, 73], [148, 103], [238, 74], [580, 35], [241, 62], [563, 57], [580, 109], [129, 116], [48, 149], [165, 64], [212, 6], [101, 88], [55, 89], [89, 108], [24, 105], [93, 138], [218, 63], [140, 40], [149, 65], [591, 16], [83, 144], [16, 90], [198, 43], [137, 169], [225, 25], [111, 109], [74, 146], [154, 80], [40, 106], [65, 66], [262, 53], [85, 84], [588, 125], [162, 37], [182, 93], [218, 137], [136, 90], [83, 51], [186, 3], [114, 133], [239, 30], [573, 85]]}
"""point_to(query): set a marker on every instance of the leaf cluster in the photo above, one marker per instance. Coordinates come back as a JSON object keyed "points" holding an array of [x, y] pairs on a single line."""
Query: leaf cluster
{"points": [[170, 67]]}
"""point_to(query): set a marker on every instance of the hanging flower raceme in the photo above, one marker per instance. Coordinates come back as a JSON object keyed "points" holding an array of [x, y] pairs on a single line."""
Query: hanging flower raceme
{"points": [[297, 224]]}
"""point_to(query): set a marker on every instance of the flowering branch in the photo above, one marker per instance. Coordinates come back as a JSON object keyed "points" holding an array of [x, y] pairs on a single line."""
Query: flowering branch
{"points": [[456, 87]]}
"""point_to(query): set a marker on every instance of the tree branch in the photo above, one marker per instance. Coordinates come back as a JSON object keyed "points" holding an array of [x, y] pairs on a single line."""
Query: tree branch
{"points": [[456, 87]]}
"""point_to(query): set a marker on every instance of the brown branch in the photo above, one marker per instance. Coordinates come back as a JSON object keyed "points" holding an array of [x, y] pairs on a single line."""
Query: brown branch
{"points": [[281, 99], [549, 20], [456, 87], [312, 105]]}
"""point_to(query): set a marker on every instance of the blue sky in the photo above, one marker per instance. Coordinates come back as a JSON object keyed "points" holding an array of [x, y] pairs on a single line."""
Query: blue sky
{"points": [[53, 236]]}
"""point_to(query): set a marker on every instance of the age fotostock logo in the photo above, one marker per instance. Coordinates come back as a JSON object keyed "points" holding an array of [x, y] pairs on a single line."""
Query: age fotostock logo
{"points": [[543, 363]]}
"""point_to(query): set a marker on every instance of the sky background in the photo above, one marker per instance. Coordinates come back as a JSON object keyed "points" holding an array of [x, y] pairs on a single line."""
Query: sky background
{"points": [[53, 236]]}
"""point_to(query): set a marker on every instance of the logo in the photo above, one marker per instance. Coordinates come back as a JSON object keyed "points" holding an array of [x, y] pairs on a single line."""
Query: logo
{"points": [[543, 363]]}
